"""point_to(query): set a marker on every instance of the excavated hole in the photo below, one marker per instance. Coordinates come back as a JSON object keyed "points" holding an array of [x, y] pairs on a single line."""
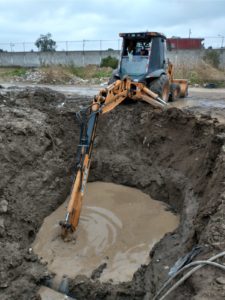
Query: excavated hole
{"points": [[172, 156], [118, 227]]}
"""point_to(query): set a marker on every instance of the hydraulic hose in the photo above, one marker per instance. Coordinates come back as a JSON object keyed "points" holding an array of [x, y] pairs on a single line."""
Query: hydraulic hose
{"points": [[199, 263]]}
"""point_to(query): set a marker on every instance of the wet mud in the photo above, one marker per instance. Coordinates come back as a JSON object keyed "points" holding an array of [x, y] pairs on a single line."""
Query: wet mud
{"points": [[175, 156], [118, 227]]}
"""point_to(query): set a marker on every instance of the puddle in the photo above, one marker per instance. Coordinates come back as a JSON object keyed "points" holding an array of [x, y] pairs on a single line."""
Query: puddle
{"points": [[207, 103], [118, 225]]}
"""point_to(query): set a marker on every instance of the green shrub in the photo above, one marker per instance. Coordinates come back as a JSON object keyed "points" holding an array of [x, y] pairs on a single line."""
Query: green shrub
{"points": [[193, 77], [103, 73], [77, 71], [109, 61], [212, 57], [19, 72]]}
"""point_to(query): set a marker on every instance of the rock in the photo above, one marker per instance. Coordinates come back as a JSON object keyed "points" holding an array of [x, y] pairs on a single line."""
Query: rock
{"points": [[64, 285], [97, 272], [3, 285], [46, 293], [2, 227], [2, 223], [220, 280], [166, 267], [210, 85], [58, 141], [3, 206]]}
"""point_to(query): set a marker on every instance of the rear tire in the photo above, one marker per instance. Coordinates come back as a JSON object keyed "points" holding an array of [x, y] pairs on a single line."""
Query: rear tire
{"points": [[174, 92], [161, 86]]}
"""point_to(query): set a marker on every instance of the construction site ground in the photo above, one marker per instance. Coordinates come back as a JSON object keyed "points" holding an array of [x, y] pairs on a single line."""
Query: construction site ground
{"points": [[176, 156]]}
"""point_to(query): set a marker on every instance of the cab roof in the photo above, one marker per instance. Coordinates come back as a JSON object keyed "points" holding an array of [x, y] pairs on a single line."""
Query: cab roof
{"points": [[146, 34]]}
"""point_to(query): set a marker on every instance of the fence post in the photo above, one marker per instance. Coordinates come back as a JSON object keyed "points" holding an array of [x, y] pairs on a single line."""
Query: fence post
{"points": [[24, 58], [100, 52], [11, 46], [83, 52]]}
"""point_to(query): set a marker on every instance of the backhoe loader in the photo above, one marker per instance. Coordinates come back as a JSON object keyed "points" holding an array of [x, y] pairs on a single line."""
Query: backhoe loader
{"points": [[143, 74]]}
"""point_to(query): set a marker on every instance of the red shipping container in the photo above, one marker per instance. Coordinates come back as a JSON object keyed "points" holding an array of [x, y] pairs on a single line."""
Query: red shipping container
{"points": [[184, 43]]}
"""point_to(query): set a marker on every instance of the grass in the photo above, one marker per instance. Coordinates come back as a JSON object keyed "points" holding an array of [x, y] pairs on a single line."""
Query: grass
{"points": [[59, 74], [64, 74], [11, 72], [200, 74], [103, 73], [197, 74], [77, 71], [91, 71]]}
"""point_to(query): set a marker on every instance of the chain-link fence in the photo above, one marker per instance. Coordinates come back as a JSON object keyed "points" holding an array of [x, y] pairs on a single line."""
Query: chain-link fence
{"points": [[83, 45], [215, 42]]}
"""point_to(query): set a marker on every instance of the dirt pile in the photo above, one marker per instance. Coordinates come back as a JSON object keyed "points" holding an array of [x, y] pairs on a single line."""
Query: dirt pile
{"points": [[35, 160], [172, 155], [49, 76], [200, 74], [69, 75]]}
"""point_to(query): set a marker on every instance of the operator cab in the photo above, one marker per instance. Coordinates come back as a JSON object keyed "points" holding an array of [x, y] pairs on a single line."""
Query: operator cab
{"points": [[142, 54]]}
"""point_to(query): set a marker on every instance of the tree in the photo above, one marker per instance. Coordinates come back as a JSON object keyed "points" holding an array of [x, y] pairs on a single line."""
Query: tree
{"points": [[45, 43]]}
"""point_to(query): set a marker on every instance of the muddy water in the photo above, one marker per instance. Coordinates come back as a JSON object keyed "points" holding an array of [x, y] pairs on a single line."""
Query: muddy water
{"points": [[118, 225]]}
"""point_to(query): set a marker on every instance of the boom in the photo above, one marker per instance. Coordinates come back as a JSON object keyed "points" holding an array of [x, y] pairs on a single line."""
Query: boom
{"points": [[104, 102]]}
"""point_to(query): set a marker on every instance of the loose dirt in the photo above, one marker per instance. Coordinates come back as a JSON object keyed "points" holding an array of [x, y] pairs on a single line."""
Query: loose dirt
{"points": [[175, 156], [118, 227]]}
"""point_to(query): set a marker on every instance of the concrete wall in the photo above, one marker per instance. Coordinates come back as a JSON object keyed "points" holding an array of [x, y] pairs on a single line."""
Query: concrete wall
{"points": [[193, 57], [82, 58], [37, 59]]}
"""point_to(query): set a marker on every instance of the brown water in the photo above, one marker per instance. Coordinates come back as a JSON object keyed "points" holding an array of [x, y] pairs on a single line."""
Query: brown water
{"points": [[118, 225]]}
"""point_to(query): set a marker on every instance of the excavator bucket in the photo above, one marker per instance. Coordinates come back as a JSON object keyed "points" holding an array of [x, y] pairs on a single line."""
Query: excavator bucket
{"points": [[74, 207], [183, 86]]}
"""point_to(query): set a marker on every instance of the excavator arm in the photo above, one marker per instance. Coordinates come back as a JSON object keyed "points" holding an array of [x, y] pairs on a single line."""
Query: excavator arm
{"points": [[104, 102], [88, 123]]}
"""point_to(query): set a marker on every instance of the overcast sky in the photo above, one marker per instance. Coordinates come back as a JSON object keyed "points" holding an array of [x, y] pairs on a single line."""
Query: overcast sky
{"points": [[25, 20]]}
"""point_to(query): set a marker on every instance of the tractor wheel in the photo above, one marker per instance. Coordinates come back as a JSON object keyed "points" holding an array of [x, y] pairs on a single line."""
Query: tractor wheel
{"points": [[174, 92], [161, 87]]}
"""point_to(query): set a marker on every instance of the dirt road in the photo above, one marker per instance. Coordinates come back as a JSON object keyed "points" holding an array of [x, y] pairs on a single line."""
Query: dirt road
{"points": [[198, 97], [209, 102]]}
